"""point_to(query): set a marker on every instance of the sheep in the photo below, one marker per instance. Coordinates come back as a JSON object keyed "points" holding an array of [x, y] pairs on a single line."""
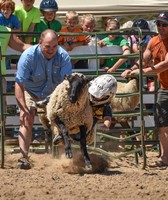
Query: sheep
{"points": [[123, 104], [128, 103], [71, 114]]}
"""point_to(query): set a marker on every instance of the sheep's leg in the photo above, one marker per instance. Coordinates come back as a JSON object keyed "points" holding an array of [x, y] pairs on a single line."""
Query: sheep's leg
{"points": [[48, 140], [68, 151], [84, 148]]}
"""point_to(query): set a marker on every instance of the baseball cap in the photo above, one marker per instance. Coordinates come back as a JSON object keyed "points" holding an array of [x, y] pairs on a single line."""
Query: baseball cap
{"points": [[163, 17]]}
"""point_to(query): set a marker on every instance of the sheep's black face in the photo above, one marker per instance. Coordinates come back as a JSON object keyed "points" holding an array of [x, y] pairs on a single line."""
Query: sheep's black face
{"points": [[76, 84]]}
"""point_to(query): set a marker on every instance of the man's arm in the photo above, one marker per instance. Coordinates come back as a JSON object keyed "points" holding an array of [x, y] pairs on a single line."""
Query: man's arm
{"points": [[158, 68], [17, 44], [147, 55]]}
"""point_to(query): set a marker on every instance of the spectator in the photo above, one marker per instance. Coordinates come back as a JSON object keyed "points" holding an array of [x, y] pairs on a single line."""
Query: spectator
{"points": [[88, 23], [13, 42], [7, 18], [40, 69], [134, 40], [28, 16], [157, 49], [70, 41], [111, 65], [48, 9]]}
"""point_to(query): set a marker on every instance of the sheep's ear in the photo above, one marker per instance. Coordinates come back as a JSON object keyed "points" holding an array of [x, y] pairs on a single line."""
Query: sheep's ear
{"points": [[66, 77]]}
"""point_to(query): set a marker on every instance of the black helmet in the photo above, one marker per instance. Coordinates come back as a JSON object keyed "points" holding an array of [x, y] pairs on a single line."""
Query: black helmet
{"points": [[163, 17], [141, 23], [48, 5]]}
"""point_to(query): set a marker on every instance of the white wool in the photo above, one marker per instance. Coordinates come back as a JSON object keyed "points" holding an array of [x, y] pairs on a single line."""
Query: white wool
{"points": [[125, 103]]}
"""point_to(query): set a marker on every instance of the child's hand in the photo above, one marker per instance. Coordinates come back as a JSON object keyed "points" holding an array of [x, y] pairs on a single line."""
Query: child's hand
{"points": [[105, 68], [111, 70], [87, 40], [103, 128], [101, 43], [67, 47]]}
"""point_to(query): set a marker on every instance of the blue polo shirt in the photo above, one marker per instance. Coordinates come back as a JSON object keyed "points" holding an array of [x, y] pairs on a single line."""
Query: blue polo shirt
{"points": [[41, 76]]}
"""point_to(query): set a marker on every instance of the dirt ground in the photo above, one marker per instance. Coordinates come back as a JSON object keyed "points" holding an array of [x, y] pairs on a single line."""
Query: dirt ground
{"points": [[63, 179]]}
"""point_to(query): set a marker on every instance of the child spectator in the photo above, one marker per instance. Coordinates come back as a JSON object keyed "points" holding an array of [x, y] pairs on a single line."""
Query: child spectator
{"points": [[68, 42], [28, 16], [88, 24], [112, 64], [48, 9], [8, 19], [143, 24]]}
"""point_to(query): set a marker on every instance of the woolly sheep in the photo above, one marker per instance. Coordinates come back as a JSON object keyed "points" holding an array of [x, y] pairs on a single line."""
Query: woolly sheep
{"points": [[125, 103], [72, 116]]}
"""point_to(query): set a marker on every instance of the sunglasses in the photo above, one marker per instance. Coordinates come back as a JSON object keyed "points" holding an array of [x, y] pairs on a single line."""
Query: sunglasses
{"points": [[161, 25]]}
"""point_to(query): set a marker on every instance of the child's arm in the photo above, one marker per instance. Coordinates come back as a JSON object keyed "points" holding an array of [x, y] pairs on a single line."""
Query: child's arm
{"points": [[126, 51], [29, 37]]}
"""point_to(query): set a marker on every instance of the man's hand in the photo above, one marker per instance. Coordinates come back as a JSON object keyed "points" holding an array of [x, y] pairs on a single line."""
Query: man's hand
{"points": [[43, 103], [134, 72], [126, 73]]}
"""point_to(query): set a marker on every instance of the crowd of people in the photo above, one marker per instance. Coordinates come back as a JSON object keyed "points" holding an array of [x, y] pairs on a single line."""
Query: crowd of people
{"points": [[45, 60]]}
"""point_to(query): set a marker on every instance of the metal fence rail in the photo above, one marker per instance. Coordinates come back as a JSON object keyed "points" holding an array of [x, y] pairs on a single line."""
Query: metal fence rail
{"points": [[139, 146]]}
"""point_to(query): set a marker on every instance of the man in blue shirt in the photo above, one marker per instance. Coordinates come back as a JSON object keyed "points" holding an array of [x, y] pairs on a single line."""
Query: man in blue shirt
{"points": [[40, 69]]}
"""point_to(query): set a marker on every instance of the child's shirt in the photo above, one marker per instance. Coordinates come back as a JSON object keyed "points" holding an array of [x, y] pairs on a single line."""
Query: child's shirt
{"points": [[101, 111], [27, 18], [70, 39], [135, 41], [42, 26], [119, 41], [12, 22]]}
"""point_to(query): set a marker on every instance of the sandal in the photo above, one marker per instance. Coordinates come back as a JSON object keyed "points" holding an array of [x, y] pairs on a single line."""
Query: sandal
{"points": [[158, 163], [24, 163]]}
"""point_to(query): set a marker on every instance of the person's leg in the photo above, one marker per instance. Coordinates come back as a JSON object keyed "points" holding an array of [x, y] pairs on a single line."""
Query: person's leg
{"points": [[163, 132], [161, 119], [25, 134]]}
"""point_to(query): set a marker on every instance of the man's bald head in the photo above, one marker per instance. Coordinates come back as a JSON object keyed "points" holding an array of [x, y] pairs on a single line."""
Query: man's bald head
{"points": [[50, 34], [48, 43]]}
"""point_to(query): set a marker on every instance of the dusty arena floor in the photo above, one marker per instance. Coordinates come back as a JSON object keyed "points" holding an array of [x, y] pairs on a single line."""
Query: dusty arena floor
{"points": [[62, 179]]}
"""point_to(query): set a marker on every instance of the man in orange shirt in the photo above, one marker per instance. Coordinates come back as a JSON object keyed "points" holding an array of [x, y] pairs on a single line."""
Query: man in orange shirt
{"points": [[157, 49]]}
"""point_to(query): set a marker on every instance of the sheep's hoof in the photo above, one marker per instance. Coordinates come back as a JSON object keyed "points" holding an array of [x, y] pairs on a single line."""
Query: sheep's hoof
{"points": [[57, 139], [88, 166], [68, 154]]}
